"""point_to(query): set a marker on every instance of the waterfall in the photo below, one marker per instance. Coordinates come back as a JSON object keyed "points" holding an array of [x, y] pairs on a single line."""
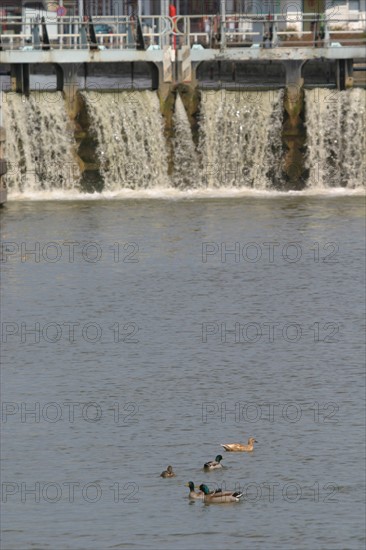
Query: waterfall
{"points": [[336, 142], [241, 138], [39, 143], [131, 146], [239, 141], [186, 163]]}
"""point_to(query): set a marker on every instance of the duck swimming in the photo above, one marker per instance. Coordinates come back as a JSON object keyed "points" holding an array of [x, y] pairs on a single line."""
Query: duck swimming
{"points": [[239, 447], [199, 495], [219, 497], [168, 472], [194, 495], [213, 464]]}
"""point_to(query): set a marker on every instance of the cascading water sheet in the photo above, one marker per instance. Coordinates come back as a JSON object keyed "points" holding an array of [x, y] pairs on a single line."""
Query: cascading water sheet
{"points": [[40, 145], [131, 146], [186, 162], [241, 138], [336, 138], [240, 141]]}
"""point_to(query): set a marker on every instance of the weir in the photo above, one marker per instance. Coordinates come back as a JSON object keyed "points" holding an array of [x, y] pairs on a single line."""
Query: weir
{"points": [[236, 140], [246, 137]]}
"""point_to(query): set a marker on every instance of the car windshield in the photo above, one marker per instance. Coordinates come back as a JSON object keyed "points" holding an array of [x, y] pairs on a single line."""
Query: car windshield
{"points": [[102, 28]]}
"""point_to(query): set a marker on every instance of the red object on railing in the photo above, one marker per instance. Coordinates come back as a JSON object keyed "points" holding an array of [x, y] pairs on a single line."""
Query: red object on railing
{"points": [[173, 15]]}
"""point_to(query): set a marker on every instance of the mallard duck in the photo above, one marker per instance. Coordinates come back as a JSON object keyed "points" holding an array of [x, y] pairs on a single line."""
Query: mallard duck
{"points": [[168, 472], [199, 495], [214, 464], [239, 447], [194, 494], [219, 496]]}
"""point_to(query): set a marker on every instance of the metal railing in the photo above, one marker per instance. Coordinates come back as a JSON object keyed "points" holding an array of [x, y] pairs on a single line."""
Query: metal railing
{"points": [[208, 31]]}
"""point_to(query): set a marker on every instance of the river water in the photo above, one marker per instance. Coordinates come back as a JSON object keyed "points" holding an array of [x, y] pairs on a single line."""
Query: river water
{"points": [[145, 332]]}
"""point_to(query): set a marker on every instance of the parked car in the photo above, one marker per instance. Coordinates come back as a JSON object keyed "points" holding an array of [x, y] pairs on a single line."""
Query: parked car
{"points": [[103, 29]]}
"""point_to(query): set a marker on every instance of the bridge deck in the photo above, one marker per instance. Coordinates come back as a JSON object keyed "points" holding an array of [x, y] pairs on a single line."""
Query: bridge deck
{"points": [[197, 55]]}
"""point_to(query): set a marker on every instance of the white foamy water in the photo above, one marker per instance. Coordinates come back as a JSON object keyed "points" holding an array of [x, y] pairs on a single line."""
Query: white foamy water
{"points": [[239, 151], [241, 138], [131, 146], [174, 194], [336, 139], [186, 162], [40, 144]]}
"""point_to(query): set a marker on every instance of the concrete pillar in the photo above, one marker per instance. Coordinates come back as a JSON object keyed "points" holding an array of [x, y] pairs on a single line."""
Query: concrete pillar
{"points": [[344, 73], [71, 87], [3, 167], [16, 78], [191, 97], [341, 74], [20, 75], [59, 78], [160, 83], [294, 80], [186, 70], [293, 132], [194, 81], [154, 71], [349, 77], [26, 79]]}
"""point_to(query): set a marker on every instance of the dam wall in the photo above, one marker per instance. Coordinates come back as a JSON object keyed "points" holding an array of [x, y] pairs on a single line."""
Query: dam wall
{"points": [[183, 109], [247, 139]]}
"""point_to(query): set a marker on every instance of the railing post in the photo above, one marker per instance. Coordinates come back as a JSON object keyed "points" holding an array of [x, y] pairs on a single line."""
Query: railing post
{"points": [[223, 24], [160, 35], [274, 32], [326, 33]]}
